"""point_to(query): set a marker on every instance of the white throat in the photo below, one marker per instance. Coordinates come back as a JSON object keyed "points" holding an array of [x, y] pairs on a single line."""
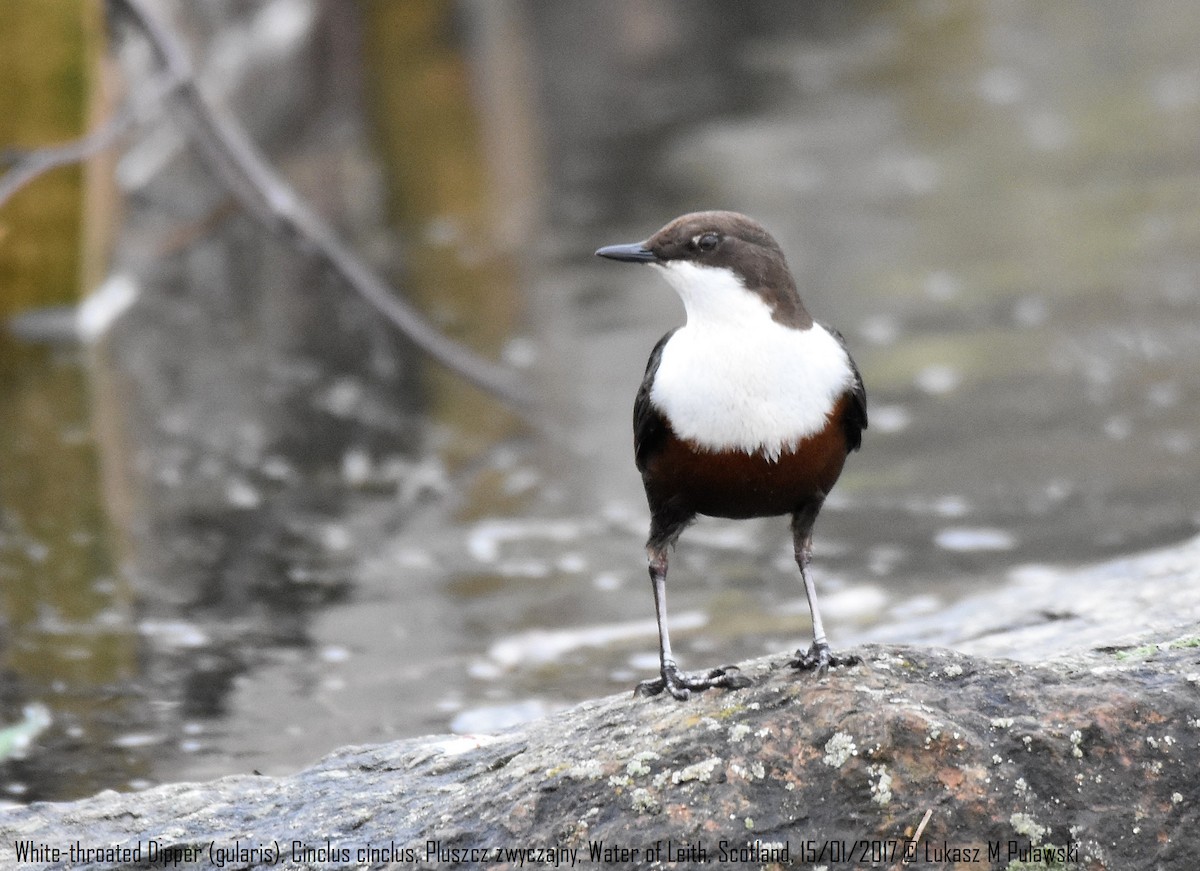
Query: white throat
{"points": [[732, 378]]}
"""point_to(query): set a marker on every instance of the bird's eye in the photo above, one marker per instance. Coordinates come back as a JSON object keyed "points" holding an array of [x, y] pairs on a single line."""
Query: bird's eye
{"points": [[706, 241]]}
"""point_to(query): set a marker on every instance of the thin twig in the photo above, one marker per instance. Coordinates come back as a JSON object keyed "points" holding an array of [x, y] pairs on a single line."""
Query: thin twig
{"points": [[30, 165], [911, 853], [27, 166]]}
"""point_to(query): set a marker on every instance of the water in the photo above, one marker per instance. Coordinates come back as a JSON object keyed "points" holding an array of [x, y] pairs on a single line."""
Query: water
{"points": [[995, 203]]}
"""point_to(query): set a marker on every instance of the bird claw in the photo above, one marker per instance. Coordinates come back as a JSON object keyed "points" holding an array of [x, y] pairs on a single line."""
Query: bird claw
{"points": [[681, 685], [820, 658]]}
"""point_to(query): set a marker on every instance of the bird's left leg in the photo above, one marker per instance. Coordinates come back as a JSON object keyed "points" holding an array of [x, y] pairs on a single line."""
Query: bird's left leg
{"points": [[819, 656]]}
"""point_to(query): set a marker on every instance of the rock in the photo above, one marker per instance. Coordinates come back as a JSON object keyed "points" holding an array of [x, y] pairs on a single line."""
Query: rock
{"points": [[1045, 611], [1087, 761]]}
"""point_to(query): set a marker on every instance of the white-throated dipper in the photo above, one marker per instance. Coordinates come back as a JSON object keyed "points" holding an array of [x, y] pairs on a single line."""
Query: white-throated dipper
{"points": [[748, 410]]}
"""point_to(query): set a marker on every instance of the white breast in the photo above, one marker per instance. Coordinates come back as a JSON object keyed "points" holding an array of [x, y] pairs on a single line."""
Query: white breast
{"points": [[733, 378]]}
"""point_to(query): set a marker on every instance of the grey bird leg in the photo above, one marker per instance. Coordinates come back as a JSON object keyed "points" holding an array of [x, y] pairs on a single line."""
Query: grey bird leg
{"points": [[670, 678], [818, 656]]}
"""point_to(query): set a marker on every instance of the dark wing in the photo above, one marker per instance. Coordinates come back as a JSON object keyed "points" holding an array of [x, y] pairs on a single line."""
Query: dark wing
{"points": [[855, 418], [649, 427]]}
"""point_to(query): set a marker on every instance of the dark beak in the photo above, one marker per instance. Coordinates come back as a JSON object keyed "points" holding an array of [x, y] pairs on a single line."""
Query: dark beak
{"points": [[635, 252]]}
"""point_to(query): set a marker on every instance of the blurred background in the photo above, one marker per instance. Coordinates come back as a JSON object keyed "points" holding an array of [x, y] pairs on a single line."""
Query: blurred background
{"points": [[243, 521]]}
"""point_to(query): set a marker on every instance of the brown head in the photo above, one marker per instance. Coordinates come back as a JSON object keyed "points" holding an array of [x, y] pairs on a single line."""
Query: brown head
{"points": [[724, 241]]}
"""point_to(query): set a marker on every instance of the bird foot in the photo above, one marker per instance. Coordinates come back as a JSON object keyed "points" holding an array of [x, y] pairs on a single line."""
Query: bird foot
{"points": [[820, 658], [682, 685]]}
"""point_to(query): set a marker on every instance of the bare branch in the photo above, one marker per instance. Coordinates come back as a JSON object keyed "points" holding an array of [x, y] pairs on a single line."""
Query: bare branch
{"points": [[262, 191], [250, 178]]}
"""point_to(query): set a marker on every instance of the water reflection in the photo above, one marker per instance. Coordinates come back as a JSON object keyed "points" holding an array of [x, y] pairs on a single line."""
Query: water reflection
{"points": [[67, 612], [331, 544]]}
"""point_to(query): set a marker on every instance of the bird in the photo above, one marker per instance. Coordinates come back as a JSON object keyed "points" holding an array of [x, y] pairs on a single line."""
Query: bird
{"points": [[749, 409]]}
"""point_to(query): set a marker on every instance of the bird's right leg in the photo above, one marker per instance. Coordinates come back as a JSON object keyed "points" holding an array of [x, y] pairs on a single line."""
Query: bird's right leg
{"points": [[670, 678]]}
